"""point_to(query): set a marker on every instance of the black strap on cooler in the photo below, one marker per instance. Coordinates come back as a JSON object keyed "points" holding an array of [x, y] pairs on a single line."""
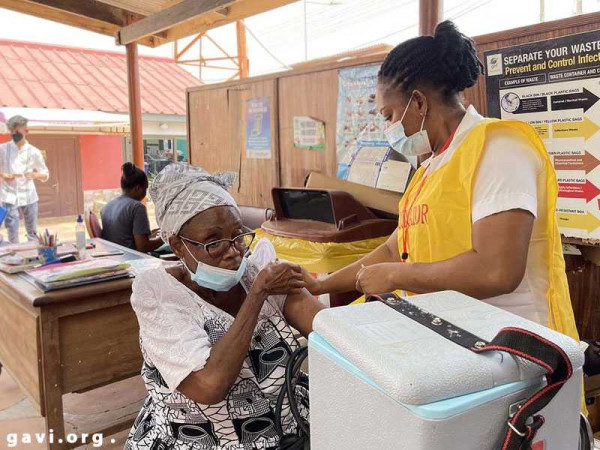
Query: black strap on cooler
{"points": [[524, 425]]}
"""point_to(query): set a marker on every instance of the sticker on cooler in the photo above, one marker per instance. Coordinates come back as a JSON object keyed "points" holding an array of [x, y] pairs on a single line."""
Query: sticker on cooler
{"points": [[538, 446]]}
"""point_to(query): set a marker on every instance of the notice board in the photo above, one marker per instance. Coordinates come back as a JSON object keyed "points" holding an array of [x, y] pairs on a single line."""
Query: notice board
{"points": [[554, 85]]}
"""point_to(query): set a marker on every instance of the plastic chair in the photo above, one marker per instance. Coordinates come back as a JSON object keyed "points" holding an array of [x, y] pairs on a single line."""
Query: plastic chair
{"points": [[92, 224]]}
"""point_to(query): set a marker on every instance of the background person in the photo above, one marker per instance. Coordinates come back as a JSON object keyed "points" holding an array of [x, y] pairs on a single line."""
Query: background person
{"points": [[125, 218], [20, 164]]}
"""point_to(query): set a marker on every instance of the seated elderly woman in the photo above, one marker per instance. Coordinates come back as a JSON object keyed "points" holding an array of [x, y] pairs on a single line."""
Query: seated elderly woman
{"points": [[216, 340]]}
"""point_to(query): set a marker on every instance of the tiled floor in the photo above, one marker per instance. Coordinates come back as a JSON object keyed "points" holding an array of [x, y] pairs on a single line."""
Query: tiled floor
{"points": [[19, 418]]}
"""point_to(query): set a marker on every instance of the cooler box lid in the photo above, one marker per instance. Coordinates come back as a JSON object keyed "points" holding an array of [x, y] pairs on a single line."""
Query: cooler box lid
{"points": [[414, 365]]}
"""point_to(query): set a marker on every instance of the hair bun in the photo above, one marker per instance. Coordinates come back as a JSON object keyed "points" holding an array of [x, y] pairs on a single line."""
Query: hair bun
{"points": [[447, 61], [447, 31], [128, 169], [458, 57]]}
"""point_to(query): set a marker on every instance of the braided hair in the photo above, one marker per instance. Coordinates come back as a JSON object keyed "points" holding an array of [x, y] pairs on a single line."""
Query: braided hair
{"points": [[447, 61]]}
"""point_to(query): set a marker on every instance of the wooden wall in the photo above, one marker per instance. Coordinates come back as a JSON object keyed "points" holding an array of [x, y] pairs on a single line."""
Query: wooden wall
{"points": [[217, 137], [321, 104], [217, 127]]}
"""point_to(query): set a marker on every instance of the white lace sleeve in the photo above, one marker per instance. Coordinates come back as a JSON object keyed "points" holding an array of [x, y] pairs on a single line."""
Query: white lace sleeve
{"points": [[263, 254], [171, 327]]}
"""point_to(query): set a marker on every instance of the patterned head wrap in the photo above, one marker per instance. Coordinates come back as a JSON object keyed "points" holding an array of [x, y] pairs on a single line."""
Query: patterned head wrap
{"points": [[182, 191]]}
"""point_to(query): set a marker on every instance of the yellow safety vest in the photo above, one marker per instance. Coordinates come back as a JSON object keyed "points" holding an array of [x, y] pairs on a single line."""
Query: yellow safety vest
{"points": [[439, 219]]}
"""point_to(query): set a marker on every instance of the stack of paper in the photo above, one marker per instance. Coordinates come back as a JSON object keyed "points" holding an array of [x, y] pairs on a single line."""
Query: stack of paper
{"points": [[19, 257], [57, 276]]}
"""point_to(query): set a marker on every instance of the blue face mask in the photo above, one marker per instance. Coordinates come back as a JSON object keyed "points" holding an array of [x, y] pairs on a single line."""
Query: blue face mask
{"points": [[216, 278], [413, 145]]}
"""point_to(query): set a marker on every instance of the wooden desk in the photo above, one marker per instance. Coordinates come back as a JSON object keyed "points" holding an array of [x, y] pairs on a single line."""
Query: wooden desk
{"points": [[70, 340]]}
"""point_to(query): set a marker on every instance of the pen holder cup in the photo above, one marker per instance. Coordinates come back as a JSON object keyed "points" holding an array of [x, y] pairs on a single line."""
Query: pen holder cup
{"points": [[47, 255]]}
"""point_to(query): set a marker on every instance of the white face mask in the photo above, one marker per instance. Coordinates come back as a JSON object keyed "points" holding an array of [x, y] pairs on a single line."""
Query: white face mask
{"points": [[413, 145]]}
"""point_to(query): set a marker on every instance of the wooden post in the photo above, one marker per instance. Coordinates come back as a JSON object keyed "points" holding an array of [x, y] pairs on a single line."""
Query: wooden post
{"points": [[542, 11], [244, 62], [135, 104], [431, 12]]}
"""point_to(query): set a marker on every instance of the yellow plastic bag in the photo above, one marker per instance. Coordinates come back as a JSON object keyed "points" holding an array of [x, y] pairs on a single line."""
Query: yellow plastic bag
{"points": [[320, 257]]}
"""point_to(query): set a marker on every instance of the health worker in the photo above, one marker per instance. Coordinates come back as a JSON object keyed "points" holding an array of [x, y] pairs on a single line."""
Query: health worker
{"points": [[479, 215]]}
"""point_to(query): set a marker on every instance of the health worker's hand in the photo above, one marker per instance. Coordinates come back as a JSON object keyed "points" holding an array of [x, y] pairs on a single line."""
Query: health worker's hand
{"points": [[312, 284], [377, 279]]}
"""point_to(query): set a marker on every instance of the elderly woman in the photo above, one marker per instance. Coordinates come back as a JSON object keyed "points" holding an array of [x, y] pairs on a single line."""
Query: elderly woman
{"points": [[215, 340]]}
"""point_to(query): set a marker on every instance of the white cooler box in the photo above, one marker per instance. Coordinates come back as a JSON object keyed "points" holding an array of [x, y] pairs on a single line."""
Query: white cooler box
{"points": [[381, 381]]}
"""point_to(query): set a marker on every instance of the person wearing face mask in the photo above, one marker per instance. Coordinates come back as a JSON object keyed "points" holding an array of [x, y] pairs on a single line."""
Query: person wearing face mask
{"points": [[215, 339], [479, 214], [20, 164]]}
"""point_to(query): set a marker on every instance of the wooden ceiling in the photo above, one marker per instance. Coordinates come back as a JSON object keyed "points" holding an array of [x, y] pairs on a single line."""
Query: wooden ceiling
{"points": [[149, 22]]}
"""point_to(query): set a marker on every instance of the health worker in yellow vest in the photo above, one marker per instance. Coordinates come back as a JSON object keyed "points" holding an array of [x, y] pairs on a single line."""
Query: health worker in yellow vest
{"points": [[479, 215]]}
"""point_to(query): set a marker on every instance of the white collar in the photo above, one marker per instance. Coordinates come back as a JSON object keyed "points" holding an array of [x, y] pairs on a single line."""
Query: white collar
{"points": [[468, 122], [24, 147]]}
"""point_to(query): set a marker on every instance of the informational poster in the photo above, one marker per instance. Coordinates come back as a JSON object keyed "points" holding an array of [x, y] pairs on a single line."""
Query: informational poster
{"points": [[309, 133], [554, 85], [258, 128], [359, 123]]}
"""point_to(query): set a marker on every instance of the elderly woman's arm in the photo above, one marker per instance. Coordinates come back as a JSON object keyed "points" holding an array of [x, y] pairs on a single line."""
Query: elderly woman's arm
{"points": [[300, 310], [211, 384]]}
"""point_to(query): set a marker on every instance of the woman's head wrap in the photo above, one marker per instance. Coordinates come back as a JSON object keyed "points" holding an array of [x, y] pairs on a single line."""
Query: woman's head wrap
{"points": [[182, 191]]}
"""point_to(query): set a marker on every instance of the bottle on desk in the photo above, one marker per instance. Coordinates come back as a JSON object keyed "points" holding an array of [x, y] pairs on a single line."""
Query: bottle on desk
{"points": [[80, 242]]}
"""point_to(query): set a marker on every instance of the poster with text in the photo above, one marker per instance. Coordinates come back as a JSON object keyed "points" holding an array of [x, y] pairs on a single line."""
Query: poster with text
{"points": [[258, 128], [309, 133], [554, 85], [359, 123]]}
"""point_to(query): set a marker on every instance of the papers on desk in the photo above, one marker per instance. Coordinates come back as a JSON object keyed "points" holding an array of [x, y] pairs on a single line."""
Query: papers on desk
{"points": [[19, 257], [58, 276]]}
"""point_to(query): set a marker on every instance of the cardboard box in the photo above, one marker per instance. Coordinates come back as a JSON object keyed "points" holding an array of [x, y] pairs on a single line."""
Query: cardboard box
{"points": [[381, 200]]}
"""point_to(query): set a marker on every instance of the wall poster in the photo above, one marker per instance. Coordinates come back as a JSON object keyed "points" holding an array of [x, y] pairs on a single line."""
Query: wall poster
{"points": [[363, 151], [554, 85], [258, 128]]}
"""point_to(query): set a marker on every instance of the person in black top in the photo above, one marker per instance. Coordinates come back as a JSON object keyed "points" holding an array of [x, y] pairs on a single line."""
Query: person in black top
{"points": [[125, 219]]}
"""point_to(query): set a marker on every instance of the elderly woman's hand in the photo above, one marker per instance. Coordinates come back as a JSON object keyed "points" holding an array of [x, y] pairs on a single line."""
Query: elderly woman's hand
{"points": [[279, 278]]}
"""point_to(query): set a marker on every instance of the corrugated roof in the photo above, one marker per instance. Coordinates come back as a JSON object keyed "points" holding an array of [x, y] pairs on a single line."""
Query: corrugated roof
{"points": [[34, 75]]}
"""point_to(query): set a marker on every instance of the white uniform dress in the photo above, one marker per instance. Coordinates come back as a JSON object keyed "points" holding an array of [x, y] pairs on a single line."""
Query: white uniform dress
{"points": [[508, 178], [177, 332]]}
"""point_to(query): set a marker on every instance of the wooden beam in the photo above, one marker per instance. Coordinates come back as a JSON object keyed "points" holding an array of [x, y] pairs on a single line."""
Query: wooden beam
{"points": [[243, 60], [178, 55], [135, 105], [237, 11], [92, 9], [170, 17], [219, 47], [431, 13], [143, 7], [75, 17]]}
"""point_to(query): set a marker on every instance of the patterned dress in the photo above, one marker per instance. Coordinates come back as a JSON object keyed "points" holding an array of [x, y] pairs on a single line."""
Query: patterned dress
{"points": [[177, 331]]}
